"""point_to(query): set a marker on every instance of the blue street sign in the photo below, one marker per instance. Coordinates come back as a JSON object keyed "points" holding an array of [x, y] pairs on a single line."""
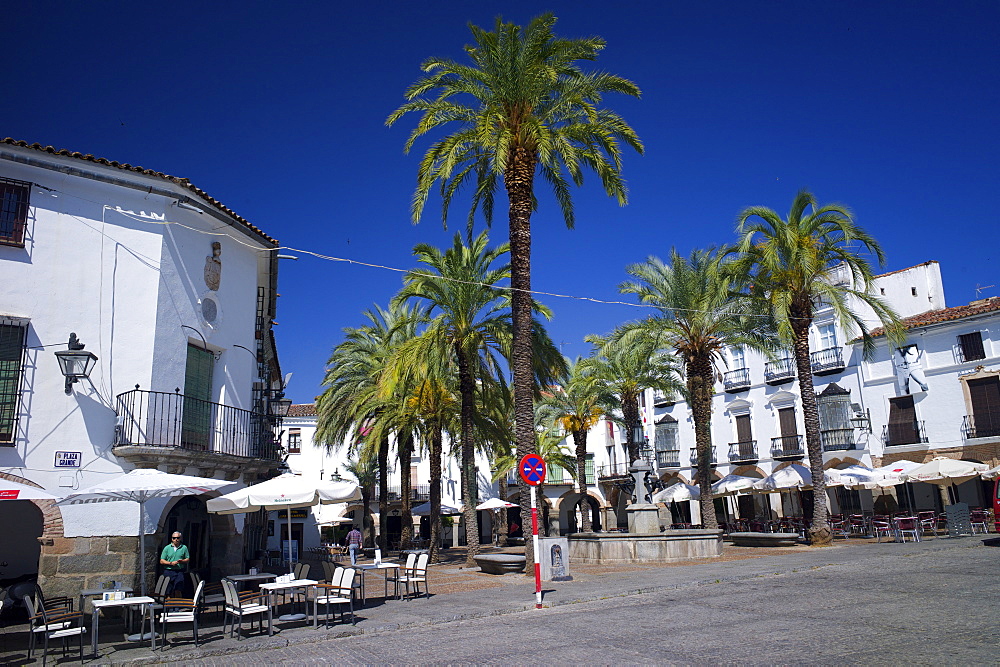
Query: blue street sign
{"points": [[532, 469]]}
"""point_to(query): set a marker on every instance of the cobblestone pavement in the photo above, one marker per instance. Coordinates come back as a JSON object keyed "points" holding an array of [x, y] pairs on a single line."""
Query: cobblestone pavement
{"points": [[856, 602]]}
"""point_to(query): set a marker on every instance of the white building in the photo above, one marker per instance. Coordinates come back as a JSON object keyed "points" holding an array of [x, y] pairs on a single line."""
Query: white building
{"points": [[175, 294]]}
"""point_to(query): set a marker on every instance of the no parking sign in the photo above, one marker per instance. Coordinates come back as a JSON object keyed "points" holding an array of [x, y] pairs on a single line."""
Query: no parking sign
{"points": [[532, 469]]}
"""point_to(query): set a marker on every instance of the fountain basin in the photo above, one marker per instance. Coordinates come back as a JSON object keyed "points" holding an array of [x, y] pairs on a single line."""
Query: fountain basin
{"points": [[664, 547]]}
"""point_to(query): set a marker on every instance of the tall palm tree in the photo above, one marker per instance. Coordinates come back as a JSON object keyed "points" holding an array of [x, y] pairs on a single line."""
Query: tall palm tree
{"points": [[698, 314], [364, 473], [470, 325], [351, 401], [576, 405], [522, 107], [788, 266]]}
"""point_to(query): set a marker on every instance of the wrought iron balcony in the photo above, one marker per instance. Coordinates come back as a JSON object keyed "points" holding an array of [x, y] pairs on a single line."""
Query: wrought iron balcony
{"points": [[741, 452], [828, 361], [612, 470], [909, 433], [983, 426], [837, 439], [694, 457], [419, 492], [780, 371], [787, 447], [736, 380], [668, 458], [661, 400], [179, 422]]}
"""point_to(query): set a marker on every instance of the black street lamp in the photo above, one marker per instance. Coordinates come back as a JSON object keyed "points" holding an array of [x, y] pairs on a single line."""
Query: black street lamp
{"points": [[74, 362]]}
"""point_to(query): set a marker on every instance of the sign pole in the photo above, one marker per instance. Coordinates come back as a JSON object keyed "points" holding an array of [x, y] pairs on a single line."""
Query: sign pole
{"points": [[534, 541]]}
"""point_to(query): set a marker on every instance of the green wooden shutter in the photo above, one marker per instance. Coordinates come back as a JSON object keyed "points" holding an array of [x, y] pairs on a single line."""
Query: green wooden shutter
{"points": [[11, 354], [197, 398]]}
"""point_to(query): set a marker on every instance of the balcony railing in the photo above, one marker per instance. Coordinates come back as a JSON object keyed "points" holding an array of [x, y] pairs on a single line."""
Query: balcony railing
{"points": [[825, 362], [419, 492], [668, 458], [694, 457], [780, 371], [736, 380], [983, 426], [908, 433], [613, 470], [787, 447], [161, 419], [837, 439], [740, 452]]}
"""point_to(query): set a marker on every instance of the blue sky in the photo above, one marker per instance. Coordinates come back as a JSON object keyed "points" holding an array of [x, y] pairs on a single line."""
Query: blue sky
{"points": [[278, 111]]}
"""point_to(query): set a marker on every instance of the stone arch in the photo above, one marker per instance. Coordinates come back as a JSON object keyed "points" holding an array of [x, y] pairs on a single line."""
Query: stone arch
{"points": [[52, 521], [669, 478], [749, 471], [566, 509]]}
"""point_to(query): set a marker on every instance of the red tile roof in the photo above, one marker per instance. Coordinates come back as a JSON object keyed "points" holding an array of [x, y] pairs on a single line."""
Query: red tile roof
{"points": [[947, 314], [183, 182], [302, 410]]}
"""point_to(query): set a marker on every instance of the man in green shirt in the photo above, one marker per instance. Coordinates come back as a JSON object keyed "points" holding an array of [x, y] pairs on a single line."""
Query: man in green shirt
{"points": [[174, 559]]}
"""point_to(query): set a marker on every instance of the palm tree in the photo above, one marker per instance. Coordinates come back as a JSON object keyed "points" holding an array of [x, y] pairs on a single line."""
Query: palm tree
{"points": [[351, 401], [789, 266], [699, 313], [471, 326], [523, 106], [364, 473], [576, 405]]}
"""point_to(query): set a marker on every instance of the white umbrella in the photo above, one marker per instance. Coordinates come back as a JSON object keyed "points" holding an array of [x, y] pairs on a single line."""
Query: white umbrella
{"points": [[944, 471], [141, 485], [13, 491], [424, 509], [795, 476], [992, 473], [284, 492], [731, 484], [678, 492], [494, 504], [853, 477], [893, 473]]}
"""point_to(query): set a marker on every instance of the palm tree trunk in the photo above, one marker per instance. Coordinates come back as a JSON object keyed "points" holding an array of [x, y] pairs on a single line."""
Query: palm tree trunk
{"points": [[630, 414], [383, 493], [819, 527], [700, 388], [543, 512], [365, 526], [504, 528], [519, 181], [405, 491], [466, 388], [580, 440], [435, 492]]}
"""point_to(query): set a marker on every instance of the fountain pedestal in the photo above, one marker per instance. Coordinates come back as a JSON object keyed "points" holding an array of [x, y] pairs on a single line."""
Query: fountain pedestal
{"points": [[643, 519]]}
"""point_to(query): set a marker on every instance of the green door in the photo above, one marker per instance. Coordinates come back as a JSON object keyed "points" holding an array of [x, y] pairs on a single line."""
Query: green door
{"points": [[197, 422]]}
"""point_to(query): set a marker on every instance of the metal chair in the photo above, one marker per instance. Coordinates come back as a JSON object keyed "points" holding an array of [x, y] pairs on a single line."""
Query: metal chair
{"points": [[907, 526], [182, 610], [978, 519], [882, 525], [419, 575], [212, 596], [340, 593], [400, 577], [57, 622], [928, 522], [238, 606]]}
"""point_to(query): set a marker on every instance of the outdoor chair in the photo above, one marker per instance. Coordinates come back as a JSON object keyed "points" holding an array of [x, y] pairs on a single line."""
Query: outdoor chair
{"points": [[882, 525], [419, 575], [237, 606], [859, 525], [340, 593], [400, 576], [838, 526], [979, 521], [182, 610], [57, 622], [52, 604], [928, 522], [907, 526], [212, 595]]}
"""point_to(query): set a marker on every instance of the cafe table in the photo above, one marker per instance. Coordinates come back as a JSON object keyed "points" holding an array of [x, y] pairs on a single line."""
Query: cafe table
{"points": [[278, 586], [128, 602], [91, 592], [384, 566], [246, 578]]}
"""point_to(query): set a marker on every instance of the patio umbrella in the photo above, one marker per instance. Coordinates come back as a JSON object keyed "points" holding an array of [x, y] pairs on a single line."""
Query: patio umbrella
{"points": [[285, 492], [140, 486], [494, 504], [944, 471], [14, 491], [732, 484], [992, 473], [853, 477], [424, 509], [678, 492], [795, 476]]}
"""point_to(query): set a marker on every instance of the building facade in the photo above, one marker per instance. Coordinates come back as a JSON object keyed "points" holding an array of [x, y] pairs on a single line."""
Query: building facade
{"points": [[175, 295]]}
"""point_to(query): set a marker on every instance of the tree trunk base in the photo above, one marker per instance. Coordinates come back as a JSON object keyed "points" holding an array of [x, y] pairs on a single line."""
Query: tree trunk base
{"points": [[820, 537]]}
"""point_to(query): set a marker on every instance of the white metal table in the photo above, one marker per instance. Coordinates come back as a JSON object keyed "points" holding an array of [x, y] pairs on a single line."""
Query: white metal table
{"points": [[143, 600], [384, 566], [277, 586]]}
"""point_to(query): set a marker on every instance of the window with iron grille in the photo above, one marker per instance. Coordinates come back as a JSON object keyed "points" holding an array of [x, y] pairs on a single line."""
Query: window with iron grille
{"points": [[13, 211], [971, 346], [294, 441], [588, 470], [12, 334]]}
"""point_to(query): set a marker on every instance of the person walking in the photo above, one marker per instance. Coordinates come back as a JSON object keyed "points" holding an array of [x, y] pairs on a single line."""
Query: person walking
{"points": [[174, 559], [354, 544]]}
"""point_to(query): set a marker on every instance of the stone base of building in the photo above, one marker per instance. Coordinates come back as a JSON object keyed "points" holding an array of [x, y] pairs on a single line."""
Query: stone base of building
{"points": [[666, 547]]}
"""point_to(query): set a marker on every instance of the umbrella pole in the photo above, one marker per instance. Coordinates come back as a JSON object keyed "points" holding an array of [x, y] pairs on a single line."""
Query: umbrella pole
{"points": [[288, 523], [142, 547]]}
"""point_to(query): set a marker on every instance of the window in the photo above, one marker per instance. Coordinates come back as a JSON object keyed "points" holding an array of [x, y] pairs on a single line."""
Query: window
{"points": [[588, 470], [665, 443], [197, 394], [903, 428], [555, 475], [984, 394], [12, 333], [294, 441], [13, 211], [970, 346], [738, 357], [827, 336]]}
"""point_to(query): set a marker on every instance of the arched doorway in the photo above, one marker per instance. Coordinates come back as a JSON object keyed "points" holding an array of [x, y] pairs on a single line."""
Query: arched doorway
{"points": [[190, 517], [21, 524], [571, 519]]}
